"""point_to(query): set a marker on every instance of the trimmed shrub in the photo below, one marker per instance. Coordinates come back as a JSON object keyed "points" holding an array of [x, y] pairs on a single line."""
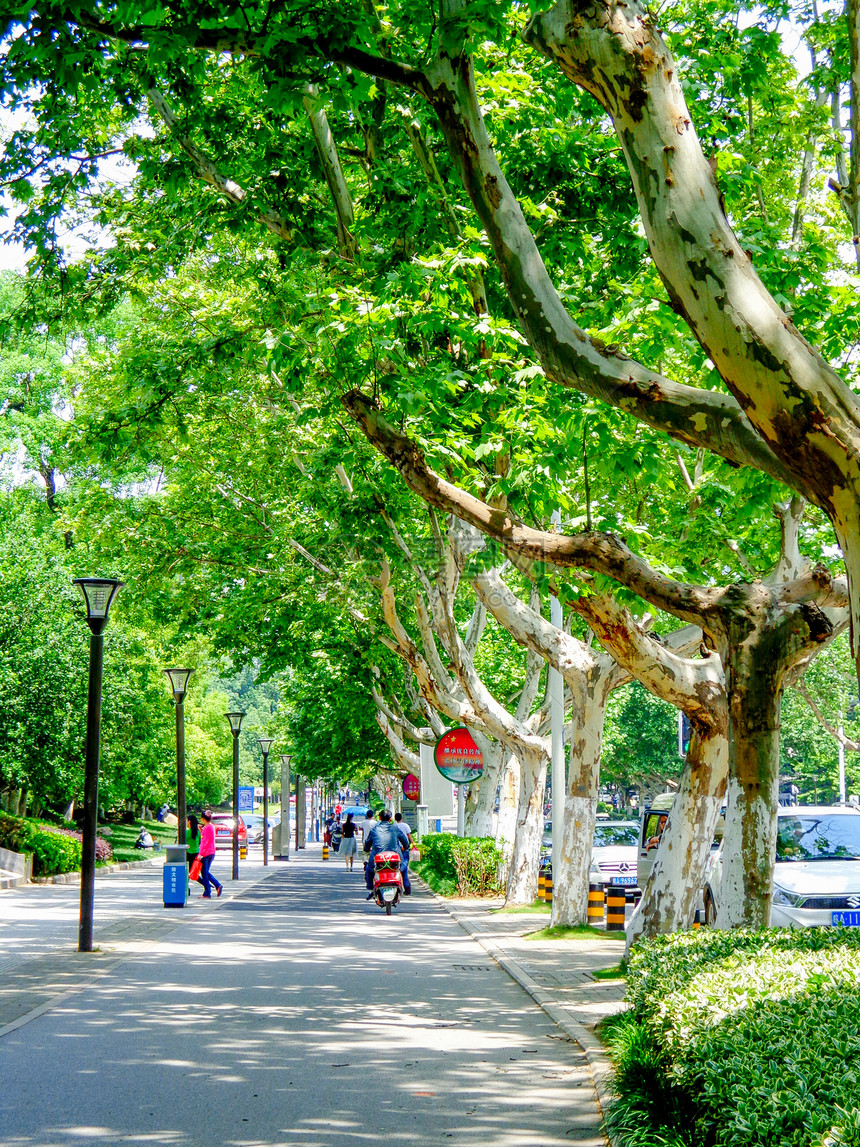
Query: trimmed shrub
{"points": [[756, 1036], [53, 853], [478, 865], [463, 866], [104, 852]]}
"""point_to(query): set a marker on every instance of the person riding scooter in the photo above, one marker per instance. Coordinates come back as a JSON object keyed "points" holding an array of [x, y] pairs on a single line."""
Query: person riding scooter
{"points": [[383, 837]]}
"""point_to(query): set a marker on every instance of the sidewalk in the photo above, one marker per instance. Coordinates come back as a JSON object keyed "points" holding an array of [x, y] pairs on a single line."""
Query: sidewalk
{"points": [[557, 974], [39, 961]]}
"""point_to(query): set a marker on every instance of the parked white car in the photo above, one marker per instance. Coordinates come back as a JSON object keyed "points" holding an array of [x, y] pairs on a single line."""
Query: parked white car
{"points": [[613, 854], [816, 878], [613, 857]]}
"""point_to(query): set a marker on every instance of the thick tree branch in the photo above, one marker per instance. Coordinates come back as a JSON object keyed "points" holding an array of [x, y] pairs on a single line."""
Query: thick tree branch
{"points": [[603, 553], [405, 758], [796, 402], [334, 177]]}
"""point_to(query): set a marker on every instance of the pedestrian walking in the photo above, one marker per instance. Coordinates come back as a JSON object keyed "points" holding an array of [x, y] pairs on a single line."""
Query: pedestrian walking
{"points": [[348, 847], [405, 849], [192, 849], [405, 834], [403, 826], [207, 855], [368, 824]]}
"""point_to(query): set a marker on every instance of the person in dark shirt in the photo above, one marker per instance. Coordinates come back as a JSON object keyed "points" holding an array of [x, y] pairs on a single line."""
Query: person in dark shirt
{"points": [[385, 837]]}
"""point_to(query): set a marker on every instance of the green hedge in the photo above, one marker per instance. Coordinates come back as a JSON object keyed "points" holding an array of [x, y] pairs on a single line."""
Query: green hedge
{"points": [[54, 850], [744, 1039], [460, 866], [53, 853]]}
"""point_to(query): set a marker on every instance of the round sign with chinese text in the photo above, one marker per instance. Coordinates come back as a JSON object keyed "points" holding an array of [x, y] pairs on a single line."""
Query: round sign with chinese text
{"points": [[411, 787], [458, 758]]}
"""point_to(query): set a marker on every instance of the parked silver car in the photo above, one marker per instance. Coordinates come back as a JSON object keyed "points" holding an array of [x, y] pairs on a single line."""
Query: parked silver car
{"points": [[816, 878]]}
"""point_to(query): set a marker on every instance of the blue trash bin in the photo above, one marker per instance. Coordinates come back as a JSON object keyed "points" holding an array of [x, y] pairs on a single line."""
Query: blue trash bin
{"points": [[175, 876]]}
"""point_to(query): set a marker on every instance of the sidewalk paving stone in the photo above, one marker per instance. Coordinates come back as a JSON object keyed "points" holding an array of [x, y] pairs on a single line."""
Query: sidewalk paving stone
{"points": [[557, 974]]}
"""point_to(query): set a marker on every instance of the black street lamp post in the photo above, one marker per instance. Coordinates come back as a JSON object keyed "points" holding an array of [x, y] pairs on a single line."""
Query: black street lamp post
{"points": [[265, 744], [284, 835], [235, 720], [98, 594], [179, 685]]}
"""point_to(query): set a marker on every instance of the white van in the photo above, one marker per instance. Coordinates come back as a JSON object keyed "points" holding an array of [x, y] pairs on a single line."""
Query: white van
{"points": [[652, 823]]}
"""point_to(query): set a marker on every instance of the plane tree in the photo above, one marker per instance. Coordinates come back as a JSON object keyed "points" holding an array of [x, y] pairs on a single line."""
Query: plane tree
{"points": [[785, 409]]}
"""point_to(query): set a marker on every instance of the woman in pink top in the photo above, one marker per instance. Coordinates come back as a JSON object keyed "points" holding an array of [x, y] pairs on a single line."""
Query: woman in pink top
{"points": [[207, 855]]}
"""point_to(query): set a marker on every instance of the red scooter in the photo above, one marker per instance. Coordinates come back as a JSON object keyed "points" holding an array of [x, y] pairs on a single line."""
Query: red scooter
{"points": [[387, 881]]}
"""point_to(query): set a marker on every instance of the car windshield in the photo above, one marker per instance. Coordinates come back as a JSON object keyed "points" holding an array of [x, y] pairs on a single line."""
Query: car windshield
{"points": [[818, 837], [607, 834]]}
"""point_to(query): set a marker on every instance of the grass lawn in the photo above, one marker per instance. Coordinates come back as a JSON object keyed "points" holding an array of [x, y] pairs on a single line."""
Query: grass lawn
{"points": [[122, 837], [580, 932], [616, 972], [538, 906]]}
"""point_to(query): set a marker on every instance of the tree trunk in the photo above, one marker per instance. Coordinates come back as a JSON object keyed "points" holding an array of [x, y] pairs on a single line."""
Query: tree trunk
{"points": [[523, 872], [670, 896], [764, 638], [481, 815], [570, 880], [509, 796]]}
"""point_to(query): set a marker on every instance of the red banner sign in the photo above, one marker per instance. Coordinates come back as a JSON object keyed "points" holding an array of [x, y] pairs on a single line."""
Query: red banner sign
{"points": [[458, 758], [411, 787]]}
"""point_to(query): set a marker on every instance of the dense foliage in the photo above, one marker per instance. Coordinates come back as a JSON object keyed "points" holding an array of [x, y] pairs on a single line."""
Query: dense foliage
{"points": [[741, 1039], [175, 394]]}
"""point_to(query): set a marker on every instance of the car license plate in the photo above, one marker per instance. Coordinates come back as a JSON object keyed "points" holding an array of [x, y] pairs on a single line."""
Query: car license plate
{"points": [[849, 919], [622, 880]]}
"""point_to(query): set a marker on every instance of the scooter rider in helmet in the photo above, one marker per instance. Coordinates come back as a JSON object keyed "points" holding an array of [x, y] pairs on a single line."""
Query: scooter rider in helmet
{"points": [[384, 837]]}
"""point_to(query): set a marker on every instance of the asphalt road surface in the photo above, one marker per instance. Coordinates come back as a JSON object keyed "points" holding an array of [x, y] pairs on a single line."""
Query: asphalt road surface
{"points": [[296, 1015]]}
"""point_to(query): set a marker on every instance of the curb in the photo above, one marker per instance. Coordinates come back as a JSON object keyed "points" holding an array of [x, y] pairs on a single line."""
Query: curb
{"points": [[598, 1061]]}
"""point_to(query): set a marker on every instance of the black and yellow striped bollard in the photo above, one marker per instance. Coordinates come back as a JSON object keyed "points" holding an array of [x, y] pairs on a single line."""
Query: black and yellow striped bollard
{"points": [[325, 852], [616, 899], [547, 891], [542, 884], [596, 904]]}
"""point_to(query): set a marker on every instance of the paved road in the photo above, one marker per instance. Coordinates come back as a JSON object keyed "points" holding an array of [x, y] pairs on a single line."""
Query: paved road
{"points": [[297, 1015]]}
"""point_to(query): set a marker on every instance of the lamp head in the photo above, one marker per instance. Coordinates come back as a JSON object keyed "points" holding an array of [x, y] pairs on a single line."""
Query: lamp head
{"points": [[265, 743], [286, 758], [235, 720], [179, 682], [98, 594]]}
